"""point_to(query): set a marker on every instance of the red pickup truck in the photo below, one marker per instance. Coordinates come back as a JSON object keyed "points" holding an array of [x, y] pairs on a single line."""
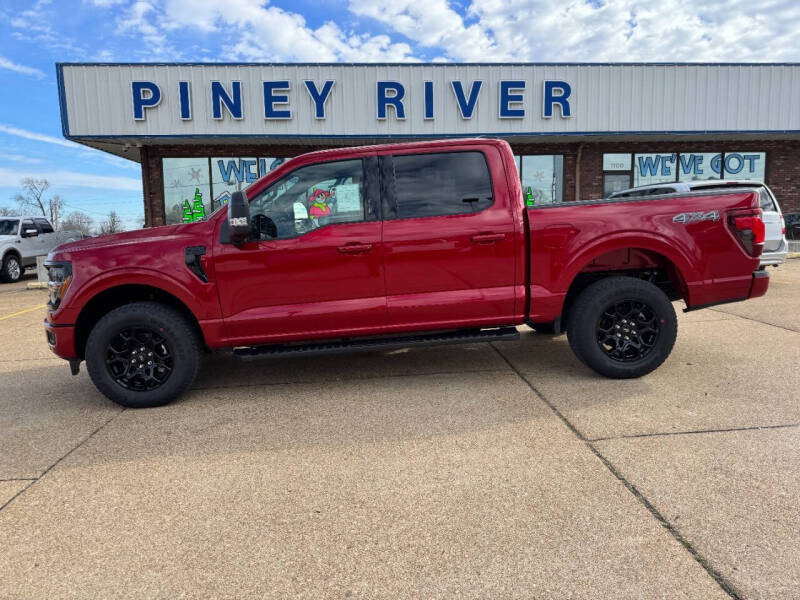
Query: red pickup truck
{"points": [[396, 245]]}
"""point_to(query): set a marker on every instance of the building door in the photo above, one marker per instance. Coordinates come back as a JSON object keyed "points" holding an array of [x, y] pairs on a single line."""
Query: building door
{"points": [[312, 267], [448, 240]]}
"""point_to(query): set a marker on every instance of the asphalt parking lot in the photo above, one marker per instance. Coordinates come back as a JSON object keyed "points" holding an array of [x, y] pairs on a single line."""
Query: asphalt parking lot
{"points": [[487, 471]]}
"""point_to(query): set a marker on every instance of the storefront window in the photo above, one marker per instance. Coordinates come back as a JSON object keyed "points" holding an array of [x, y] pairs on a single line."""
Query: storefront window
{"points": [[617, 162], [647, 169], [231, 174], [699, 166], [615, 182], [187, 190], [542, 178], [654, 168], [745, 165]]}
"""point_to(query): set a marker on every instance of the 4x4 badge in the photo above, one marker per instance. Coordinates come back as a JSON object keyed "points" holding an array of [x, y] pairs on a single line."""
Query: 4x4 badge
{"points": [[694, 217]]}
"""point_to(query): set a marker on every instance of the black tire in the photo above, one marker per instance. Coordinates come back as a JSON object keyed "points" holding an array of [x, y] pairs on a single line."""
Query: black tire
{"points": [[167, 337], [12, 268], [622, 327]]}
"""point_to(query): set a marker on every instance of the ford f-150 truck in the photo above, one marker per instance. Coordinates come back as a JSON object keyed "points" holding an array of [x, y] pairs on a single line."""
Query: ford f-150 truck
{"points": [[22, 239], [396, 245]]}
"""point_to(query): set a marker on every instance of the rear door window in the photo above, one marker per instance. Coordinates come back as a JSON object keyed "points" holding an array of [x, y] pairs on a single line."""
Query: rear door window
{"points": [[44, 226], [438, 184]]}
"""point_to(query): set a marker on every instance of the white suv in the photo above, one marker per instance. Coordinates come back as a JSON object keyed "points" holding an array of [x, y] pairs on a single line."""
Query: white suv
{"points": [[775, 246]]}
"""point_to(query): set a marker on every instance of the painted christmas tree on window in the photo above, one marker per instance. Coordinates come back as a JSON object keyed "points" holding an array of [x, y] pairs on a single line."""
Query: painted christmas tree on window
{"points": [[195, 211]]}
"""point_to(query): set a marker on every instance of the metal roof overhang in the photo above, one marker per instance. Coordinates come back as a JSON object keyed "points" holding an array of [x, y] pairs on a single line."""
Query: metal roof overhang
{"points": [[127, 147]]}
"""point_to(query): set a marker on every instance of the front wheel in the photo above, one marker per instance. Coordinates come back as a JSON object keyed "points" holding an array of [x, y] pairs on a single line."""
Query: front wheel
{"points": [[11, 269], [143, 354], [622, 327]]}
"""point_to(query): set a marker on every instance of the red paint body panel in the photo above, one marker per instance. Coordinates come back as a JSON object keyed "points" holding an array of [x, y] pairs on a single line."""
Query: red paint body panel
{"points": [[502, 266], [566, 239]]}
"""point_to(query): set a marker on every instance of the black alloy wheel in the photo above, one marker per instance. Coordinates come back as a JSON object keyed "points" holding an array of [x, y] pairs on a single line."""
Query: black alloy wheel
{"points": [[139, 359], [144, 354], [628, 330], [622, 327]]}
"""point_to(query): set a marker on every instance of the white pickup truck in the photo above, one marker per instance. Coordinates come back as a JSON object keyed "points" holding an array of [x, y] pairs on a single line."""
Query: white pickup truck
{"points": [[22, 239]]}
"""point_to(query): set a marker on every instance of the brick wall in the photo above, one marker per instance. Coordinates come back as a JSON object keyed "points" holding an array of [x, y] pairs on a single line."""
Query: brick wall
{"points": [[782, 168]]}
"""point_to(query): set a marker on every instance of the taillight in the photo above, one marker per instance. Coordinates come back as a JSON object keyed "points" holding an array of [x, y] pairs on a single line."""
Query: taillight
{"points": [[749, 230], [783, 226]]}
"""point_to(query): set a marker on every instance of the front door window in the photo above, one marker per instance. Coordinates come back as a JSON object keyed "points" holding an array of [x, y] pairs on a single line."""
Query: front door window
{"points": [[309, 198]]}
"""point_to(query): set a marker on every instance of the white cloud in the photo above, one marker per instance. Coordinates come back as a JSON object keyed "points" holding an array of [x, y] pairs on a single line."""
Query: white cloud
{"points": [[20, 158], [256, 31], [433, 24], [39, 137], [17, 68], [138, 20], [74, 179], [577, 30]]}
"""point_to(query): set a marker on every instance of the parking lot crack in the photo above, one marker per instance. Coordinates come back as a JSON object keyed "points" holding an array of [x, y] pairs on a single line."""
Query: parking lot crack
{"points": [[55, 464], [721, 580], [724, 312], [692, 432]]}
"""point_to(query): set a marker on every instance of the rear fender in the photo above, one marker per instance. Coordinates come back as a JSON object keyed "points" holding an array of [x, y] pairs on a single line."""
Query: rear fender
{"points": [[547, 303]]}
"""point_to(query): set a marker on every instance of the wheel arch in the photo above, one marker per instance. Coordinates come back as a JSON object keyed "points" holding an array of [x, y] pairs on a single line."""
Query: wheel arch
{"points": [[666, 270], [119, 295]]}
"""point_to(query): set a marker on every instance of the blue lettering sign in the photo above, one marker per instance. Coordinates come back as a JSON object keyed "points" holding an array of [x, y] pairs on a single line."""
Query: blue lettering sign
{"points": [[556, 92], [751, 162], [508, 96], [230, 170], [666, 164], [395, 100], [220, 96], [691, 164], [185, 94], [648, 165], [319, 97], [466, 106], [271, 99], [732, 168], [247, 166], [428, 100], [716, 163], [142, 101]]}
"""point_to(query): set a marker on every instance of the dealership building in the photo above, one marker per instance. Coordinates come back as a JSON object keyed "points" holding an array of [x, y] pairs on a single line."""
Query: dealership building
{"points": [[579, 131]]}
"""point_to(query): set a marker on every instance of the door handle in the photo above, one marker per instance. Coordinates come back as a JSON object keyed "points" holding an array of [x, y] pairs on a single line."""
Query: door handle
{"points": [[355, 248], [488, 238]]}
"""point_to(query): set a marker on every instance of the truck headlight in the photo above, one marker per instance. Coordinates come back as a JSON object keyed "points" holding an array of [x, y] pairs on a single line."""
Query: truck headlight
{"points": [[59, 275]]}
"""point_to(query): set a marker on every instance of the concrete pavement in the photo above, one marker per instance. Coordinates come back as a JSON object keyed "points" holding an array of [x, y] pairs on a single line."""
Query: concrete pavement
{"points": [[504, 470]]}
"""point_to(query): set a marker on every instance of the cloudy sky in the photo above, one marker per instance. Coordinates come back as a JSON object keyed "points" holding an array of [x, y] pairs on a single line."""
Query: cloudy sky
{"points": [[35, 35]]}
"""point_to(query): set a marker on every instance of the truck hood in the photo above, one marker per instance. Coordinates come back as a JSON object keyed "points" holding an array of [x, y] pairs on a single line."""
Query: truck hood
{"points": [[123, 242], [119, 239]]}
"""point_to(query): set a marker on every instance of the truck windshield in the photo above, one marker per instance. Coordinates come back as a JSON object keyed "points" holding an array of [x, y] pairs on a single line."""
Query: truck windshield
{"points": [[8, 226]]}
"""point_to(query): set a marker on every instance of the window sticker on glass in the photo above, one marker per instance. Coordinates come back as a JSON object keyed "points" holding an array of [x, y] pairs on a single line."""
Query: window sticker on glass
{"points": [[320, 204], [348, 197]]}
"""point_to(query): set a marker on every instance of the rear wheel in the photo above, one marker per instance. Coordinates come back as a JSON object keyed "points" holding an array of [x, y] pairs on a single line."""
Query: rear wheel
{"points": [[622, 327], [11, 269], [143, 354]]}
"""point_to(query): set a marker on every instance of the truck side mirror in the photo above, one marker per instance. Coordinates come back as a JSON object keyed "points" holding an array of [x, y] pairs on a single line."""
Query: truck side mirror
{"points": [[238, 218]]}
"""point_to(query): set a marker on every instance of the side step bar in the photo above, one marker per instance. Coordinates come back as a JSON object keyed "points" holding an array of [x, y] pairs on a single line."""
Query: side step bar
{"points": [[497, 334]]}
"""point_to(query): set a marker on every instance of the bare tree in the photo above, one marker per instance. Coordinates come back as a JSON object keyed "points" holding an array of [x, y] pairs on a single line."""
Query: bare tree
{"points": [[78, 221], [113, 224], [33, 198], [8, 212]]}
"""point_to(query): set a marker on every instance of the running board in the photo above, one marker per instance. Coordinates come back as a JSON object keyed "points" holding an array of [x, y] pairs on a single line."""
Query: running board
{"points": [[498, 334]]}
